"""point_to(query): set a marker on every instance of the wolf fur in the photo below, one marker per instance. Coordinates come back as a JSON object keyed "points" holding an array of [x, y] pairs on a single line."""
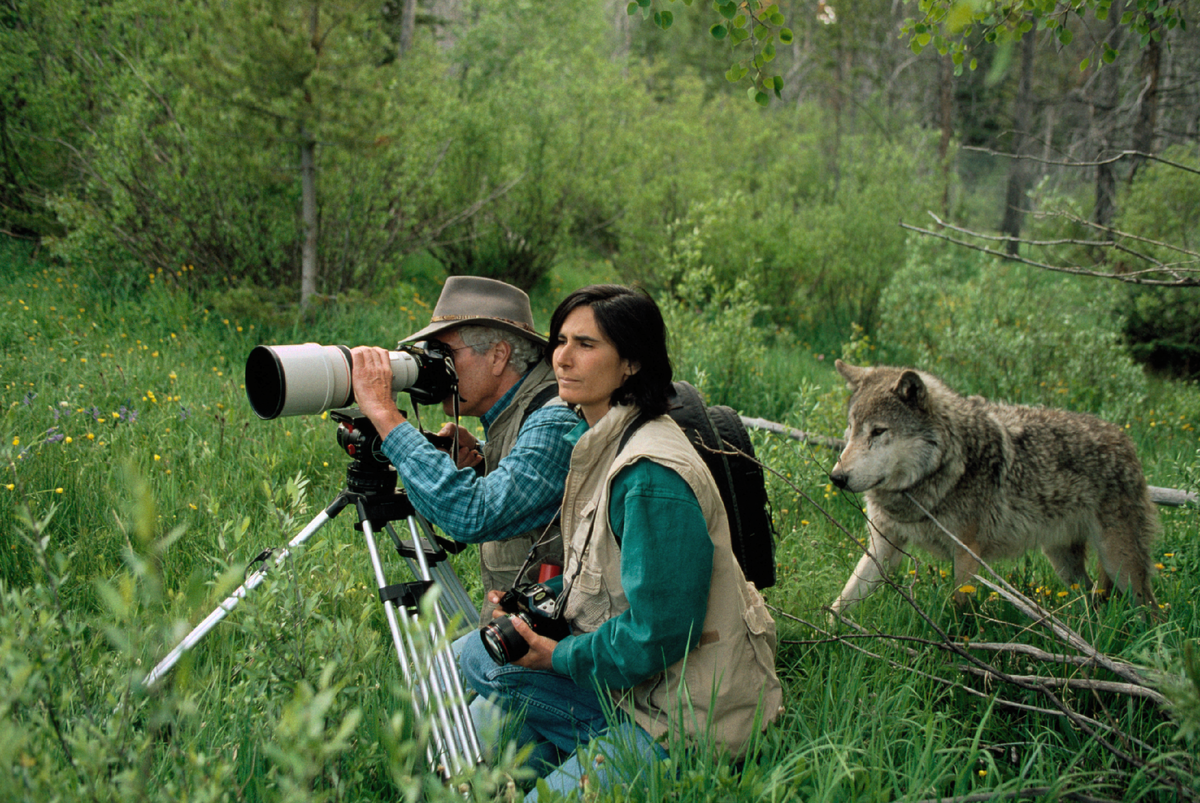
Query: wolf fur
{"points": [[1003, 478]]}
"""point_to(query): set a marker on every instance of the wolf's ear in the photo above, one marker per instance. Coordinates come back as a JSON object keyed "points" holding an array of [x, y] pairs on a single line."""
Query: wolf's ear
{"points": [[852, 374], [911, 389]]}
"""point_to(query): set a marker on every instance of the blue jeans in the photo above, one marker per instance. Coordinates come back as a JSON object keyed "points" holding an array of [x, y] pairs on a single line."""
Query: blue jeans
{"points": [[557, 716]]}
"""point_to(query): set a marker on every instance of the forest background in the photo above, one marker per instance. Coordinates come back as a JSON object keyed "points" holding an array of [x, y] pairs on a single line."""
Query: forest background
{"points": [[180, 181]]}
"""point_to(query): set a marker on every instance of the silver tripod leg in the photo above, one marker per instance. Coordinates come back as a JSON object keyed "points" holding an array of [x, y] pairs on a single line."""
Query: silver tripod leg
{"points": [[454, 740], [454, 599], [444, 662], [230, 602]]}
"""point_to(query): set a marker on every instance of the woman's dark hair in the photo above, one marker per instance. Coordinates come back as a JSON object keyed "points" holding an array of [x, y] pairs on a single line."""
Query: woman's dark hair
{"points": [[632, 322]]}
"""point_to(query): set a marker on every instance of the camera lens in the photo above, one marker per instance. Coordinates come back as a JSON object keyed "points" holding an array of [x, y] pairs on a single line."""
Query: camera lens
{"points": [[502, 641]]}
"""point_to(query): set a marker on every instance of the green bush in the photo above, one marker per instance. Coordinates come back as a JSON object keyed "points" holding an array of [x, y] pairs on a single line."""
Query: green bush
{"points": [[1010, 332]]}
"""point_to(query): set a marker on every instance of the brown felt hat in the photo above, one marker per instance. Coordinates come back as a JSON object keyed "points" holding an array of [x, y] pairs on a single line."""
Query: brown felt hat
{"points": [[476, 301]]}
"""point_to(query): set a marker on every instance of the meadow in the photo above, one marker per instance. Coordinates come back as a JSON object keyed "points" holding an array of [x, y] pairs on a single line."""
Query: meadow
{"points": [[138, 485]]}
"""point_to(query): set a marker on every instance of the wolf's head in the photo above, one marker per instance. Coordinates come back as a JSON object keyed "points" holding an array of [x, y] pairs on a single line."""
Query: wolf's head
{"points": [[891, 440]]}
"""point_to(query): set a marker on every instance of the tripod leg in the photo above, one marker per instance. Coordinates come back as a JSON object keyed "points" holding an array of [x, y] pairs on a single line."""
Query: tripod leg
{"points": [[229, 603], [447, 662], [451, 739]]}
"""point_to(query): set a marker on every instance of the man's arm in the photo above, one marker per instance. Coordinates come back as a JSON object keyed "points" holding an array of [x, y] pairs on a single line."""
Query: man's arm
{"points": [[522, 493]]}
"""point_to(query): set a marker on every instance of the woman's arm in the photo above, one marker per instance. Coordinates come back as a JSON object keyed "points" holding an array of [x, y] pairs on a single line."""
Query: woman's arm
{"points": [[666, 571]]}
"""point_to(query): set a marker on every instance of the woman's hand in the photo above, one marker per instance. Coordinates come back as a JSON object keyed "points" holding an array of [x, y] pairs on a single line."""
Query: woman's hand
{"points": [[468, 455], [540, 647]]}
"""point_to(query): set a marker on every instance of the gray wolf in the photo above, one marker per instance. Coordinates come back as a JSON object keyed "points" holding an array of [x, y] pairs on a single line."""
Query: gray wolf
{"points": [[1003, 478]]}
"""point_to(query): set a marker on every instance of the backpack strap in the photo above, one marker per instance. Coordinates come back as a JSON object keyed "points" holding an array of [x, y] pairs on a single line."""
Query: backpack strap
{"points": [[539, 401]]}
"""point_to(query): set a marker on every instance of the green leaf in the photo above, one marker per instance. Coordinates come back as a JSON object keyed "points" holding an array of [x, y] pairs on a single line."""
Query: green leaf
{"points": [[718, 31], [632, 8], [1065, 36], [777, 83], [786, 36], [762, 99], [739, 35], [752, 92], [644, 3], [667, 19], [1083, 65], [728, 11], [777, 19], [760, 32], [739, 21]]}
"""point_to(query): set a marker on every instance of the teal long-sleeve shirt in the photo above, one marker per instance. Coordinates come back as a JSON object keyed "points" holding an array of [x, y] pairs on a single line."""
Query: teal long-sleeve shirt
{"points": [[666, 571]]}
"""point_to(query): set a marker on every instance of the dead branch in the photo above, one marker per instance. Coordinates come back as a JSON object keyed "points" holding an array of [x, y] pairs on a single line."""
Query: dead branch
{"points": [[1065, 163], [1131, 689], [1176, 271]]}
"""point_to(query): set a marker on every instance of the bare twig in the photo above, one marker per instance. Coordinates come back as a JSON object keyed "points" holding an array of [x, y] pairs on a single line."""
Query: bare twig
{"points": [[1066, 163], [1181, 274]]}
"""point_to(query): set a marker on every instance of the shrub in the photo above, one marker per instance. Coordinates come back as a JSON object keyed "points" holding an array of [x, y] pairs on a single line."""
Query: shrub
{"points": [[1010, 332]]}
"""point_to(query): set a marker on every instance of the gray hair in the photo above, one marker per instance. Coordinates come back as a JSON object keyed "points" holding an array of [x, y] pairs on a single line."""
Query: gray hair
{"points": [[525, 353]]}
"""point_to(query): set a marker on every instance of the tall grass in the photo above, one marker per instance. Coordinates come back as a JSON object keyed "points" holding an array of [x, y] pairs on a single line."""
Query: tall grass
{"points": [[138, 485]]}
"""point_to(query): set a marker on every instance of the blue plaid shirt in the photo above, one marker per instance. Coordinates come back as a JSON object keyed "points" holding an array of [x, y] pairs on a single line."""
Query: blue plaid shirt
{"points": [[522, 493]]}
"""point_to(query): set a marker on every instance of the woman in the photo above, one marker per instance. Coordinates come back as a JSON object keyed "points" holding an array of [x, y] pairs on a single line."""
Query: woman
{"points": [[663, 624]]}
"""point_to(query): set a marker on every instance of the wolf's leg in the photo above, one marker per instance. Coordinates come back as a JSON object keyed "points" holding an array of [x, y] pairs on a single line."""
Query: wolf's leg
{"points": [[1070, 564], [965, 564], [1123, 545], [882, 556]]}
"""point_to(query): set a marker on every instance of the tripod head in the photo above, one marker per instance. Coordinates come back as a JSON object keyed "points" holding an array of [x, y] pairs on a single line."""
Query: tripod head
{"points": [[370, 477]]}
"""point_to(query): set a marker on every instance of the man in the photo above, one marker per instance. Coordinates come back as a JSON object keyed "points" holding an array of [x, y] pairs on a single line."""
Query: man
{"points": [[504, 380]]}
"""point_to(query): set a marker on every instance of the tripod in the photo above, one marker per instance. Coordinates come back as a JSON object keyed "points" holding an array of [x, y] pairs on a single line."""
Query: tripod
{"points": [[431, 672]]}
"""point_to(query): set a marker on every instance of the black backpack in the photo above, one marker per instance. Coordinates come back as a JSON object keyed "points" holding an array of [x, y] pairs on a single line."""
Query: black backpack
{"points": [[721, 440]]}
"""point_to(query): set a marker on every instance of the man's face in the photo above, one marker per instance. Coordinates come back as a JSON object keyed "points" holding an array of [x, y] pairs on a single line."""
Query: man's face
{"points": [[479, 381]]}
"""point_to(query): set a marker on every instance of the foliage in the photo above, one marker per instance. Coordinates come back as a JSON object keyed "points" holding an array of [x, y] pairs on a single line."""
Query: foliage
{"points": [[537, 130], [1163, 205], [750, 28], [191, 171], [816, 247], [1010, 333], [949, 25]]}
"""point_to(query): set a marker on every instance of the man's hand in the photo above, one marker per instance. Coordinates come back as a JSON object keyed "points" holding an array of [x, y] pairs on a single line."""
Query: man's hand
{"points": [[371, 379], [468, 445]]}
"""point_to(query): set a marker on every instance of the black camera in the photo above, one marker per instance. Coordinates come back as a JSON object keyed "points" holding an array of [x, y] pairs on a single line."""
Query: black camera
{"points": [[311, 378], [535, 604]]}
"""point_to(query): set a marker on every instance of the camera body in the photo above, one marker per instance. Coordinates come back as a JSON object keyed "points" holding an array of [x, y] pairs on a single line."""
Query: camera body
{"points": [[535, 604], [309, 378]]}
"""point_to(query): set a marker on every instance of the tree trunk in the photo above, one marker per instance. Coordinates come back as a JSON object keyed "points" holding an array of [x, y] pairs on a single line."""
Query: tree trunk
{"points": [[1018, 172], [308, 192], [408, 24], [1103, 107], [1147, 108], [946, 123]]}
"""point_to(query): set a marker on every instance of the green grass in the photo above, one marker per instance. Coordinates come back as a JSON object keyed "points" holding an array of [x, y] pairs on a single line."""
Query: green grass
{"points": [[123, 532]]}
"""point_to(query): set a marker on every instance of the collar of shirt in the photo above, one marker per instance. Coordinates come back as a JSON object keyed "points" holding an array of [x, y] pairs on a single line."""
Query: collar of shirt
{"points": [[574, 435], [488, 418]]}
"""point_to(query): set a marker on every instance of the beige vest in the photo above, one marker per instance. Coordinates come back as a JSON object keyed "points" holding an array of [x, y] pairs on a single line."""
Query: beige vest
{"points": [[499, 561], [726, 684]]}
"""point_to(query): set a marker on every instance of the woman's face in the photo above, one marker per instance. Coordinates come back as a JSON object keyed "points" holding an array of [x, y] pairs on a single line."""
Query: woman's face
{"points": [[587, 365]]}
